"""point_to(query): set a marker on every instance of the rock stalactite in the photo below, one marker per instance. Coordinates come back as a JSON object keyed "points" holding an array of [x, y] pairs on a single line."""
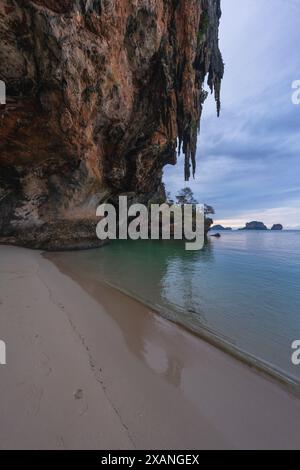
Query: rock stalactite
{"points": [[99, 93]]}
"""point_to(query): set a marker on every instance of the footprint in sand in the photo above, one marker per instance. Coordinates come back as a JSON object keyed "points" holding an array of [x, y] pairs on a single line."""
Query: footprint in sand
{"points": [[78, 395]]}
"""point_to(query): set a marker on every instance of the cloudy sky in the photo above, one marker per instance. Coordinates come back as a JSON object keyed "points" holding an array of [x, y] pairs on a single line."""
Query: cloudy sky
{"points": [[248, 162]]}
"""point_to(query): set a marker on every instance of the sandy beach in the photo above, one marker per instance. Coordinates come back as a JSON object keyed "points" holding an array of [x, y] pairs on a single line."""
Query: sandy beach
{"points": [[89, 368]]}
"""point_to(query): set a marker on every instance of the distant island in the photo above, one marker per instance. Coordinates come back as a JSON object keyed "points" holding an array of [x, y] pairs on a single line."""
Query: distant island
{"points": [[220, 228], [261, 226], [277, 227], [255, 226]]}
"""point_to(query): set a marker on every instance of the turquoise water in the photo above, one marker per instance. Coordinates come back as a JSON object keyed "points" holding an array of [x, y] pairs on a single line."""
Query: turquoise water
{"points": [[243, 287]]}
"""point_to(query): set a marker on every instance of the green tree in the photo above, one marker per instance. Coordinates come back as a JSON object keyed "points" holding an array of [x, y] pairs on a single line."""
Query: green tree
{"points": [[186, 196], [208, 210], [169, 198]]}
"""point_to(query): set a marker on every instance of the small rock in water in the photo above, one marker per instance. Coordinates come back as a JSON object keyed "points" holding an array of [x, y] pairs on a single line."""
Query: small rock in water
{"points": [[217, 235]]}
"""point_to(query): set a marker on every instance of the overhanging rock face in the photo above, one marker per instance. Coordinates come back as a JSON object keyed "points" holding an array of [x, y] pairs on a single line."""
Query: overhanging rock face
{"points": [[98, 94]]}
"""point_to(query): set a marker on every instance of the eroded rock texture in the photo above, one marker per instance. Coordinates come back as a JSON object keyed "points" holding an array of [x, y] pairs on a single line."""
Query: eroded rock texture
{"points": [[98, 92]]}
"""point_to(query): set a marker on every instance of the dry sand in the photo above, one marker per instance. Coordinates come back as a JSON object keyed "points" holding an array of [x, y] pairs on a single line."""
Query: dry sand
{"points": [[89, 368]]}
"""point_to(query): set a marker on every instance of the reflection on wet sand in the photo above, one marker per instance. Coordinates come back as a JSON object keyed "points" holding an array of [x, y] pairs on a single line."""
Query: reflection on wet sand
{"points": [[234, 292], [141, 332]]}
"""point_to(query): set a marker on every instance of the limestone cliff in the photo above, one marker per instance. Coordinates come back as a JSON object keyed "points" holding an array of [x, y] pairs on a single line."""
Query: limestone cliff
{"points": [[99, 93]]}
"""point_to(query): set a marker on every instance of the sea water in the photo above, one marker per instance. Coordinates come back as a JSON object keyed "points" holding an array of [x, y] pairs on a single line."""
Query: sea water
{"points": [[242, 289]]}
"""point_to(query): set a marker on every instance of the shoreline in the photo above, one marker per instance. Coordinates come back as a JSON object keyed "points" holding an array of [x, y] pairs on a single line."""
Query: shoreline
{"points": [[89, 367], [270, 372]]}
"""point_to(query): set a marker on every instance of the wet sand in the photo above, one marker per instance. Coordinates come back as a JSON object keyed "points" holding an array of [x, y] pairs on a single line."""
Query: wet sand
{"points": [[90, 368]]}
